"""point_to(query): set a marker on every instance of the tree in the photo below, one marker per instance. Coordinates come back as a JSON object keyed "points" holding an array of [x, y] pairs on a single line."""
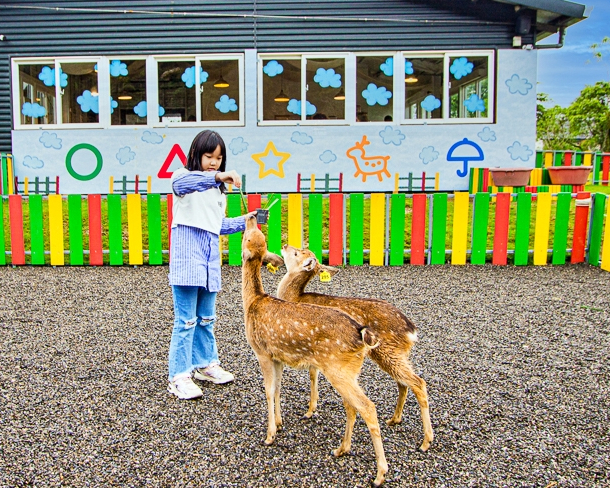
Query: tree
{"points": [[589, 117], [552, 125]]}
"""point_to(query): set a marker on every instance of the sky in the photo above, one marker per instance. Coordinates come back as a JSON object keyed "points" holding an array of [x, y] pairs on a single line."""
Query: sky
{"points": [[563, 73]]}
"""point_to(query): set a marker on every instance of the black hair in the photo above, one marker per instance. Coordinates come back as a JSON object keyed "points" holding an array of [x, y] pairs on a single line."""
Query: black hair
{"points": [[206, 142]]}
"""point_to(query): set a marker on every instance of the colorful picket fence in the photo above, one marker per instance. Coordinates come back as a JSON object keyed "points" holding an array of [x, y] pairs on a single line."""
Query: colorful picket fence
{"points": [[416, 229]]}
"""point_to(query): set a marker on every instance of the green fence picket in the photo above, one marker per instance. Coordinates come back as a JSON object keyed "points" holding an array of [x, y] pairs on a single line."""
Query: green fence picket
{"points": [[115, 230], [558, 158], [356, 229], [562, 217], [234, 209], [397, 229], [315, 224], [480, 222], [595, 231], [522, 229], [274, 225], [36, 229], [155, 250], [75, 221], [4, 174], [539, 159], [439, 228], [2, 244]]}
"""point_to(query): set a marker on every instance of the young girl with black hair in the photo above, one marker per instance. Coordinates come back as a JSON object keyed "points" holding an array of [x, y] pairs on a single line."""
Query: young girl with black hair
{"points": [[194, 269]]}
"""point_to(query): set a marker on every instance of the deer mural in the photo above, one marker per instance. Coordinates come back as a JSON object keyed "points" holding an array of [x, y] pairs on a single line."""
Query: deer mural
{"points": [[378, 164]]}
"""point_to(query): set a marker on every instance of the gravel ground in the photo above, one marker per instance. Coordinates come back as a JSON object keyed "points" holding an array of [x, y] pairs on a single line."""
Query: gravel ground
{"points": [[516, 361]]}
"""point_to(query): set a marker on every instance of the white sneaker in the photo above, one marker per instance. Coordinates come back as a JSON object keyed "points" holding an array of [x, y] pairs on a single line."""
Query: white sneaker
{"points": [[213, 373], [184, 388]]}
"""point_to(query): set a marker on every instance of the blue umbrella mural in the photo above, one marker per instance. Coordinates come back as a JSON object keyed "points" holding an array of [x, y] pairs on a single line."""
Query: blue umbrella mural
{"points": [[458, 152]]}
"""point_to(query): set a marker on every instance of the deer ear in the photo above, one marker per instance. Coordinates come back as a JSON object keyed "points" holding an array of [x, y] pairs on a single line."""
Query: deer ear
{"points": [[274, 259], [329, 269], [309, 264]]}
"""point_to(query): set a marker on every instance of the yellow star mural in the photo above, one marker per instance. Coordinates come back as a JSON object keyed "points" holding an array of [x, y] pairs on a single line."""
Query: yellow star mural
{"points": [[263, 171]]}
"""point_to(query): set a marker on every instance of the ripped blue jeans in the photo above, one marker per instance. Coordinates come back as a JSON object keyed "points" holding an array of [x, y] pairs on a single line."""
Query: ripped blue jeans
{"points": [[193, 344]]}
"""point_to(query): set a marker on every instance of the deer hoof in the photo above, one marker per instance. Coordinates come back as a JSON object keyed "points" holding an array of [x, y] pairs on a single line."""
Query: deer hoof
{"points": [[339, 452], [393, 421], [269, 440], [424, 446], [377, 481], [308, 415]]}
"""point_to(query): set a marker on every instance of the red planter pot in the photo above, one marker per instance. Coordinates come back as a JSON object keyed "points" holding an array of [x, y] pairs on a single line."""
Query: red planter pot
{"points": [[510, 176], [569, 175]]}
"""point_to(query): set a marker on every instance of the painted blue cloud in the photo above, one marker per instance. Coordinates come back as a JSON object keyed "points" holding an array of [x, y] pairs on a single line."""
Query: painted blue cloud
{"points": [[125, 155], [517, 151], [391, 135], [301, 138], [273, 68], [226, 104], [387, 67], [33, 110], [118, 68], [113, 104], [32, 162], [428, 154], [327, 77], [294, 107], [328, 157], [189, 76], [409, 67], [47, 76], [89, 102], [50, 139], [461, 67], [238, 145], [475, 104], [141, 109], [430, 103], [376, 95], [152, 137], [519, 85], [487, 135]]}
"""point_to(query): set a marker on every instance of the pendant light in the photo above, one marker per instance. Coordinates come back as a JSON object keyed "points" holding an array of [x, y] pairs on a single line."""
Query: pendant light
{"points": [[281, 96], [220, 82], [411, 79], [340, 95]]}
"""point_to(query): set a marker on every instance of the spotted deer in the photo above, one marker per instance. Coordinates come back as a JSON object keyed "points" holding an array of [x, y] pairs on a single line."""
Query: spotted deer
{"points": [[306, 336], [396, 333]]}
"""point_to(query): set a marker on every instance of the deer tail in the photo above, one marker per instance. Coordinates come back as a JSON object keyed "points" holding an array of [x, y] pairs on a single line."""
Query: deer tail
{"points": [[370, 340]]}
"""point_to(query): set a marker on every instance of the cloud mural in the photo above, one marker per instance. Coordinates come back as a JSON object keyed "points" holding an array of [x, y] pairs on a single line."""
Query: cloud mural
{"points": [[226, 104], [33, 110], [327, 78], [294, 107], [474, 103], [328, 157], [89, 102], [392, 135], [428, 154], [32, 162], [152, 137], [118, 68], [519, 85], [50, 139], [301, 138], [47, 76], [141, 110], [518, 151], [376, 95], [461, 67], [113, 104], [430, 103], [189, 76], [273, 68], [125, 155], [487, 135], [238, 145], [387, 67], [409, 67]]}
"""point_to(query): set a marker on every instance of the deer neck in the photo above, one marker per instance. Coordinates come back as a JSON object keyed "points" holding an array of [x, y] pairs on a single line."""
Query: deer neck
{"points": [[251, 282], [293, 285]]}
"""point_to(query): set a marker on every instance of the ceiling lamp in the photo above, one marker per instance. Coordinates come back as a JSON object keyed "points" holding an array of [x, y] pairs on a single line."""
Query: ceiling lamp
{"points": [[281, 97], [411, 79], [220, 82], [340, 95]]}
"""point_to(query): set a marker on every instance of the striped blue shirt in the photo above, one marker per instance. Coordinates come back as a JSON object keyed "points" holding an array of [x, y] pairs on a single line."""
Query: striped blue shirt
{"points": [[194, 253]]}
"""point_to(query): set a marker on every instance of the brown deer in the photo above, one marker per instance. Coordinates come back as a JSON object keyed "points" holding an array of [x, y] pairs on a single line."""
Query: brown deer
{"points": [[396, 333], [305, 336]]}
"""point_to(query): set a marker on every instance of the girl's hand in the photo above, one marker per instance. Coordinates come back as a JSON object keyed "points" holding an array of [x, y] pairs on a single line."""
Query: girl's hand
{"points": [[250, 214], [230, 177]]}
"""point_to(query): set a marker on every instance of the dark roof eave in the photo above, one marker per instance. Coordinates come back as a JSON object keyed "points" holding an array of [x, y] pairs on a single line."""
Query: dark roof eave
{"points": [[561, 7]]}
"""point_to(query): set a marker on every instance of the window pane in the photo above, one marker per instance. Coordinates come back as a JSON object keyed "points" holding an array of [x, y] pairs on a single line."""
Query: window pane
{"points": [[374, 85], [37, 98], [127, 91], [423, 88], [176, 91], [469, 78], [80, 100], [282, 89], [220, 93], [326, 89]]}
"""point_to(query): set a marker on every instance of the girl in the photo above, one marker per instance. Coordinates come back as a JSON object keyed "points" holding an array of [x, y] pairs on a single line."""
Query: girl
{"points": [[194, 269]]}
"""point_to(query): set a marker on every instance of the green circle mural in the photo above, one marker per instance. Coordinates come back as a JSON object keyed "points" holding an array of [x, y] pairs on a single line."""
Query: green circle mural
{"points": [[98, 157]]}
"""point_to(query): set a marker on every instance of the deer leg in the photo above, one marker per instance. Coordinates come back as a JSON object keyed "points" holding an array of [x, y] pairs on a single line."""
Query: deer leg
{"points": [[402, 397], [407, 377], [268, 370], [346, 443], [313, 392], [278, 369]]}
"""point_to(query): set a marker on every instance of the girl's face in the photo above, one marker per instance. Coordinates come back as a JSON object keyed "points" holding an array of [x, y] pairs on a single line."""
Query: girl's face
{"points": [[211, 161]]}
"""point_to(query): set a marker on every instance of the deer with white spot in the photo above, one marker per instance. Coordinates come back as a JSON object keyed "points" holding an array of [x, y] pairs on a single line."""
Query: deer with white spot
{"points": [[305, 336], [396, 333]]}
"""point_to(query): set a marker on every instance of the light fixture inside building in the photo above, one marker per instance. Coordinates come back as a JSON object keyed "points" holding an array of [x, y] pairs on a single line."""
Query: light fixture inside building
{"points": [[125, 97], [281, 97], [411, 79], [340, 95], [94, 91], [220, 82], [126, 92]]}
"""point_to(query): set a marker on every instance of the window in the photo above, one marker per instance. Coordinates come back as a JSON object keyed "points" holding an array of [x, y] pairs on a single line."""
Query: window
{"points": [[36, 99], [79, 97], [423, 87], [374, 87], [469, 90], [300, 88], [127, 91]]}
